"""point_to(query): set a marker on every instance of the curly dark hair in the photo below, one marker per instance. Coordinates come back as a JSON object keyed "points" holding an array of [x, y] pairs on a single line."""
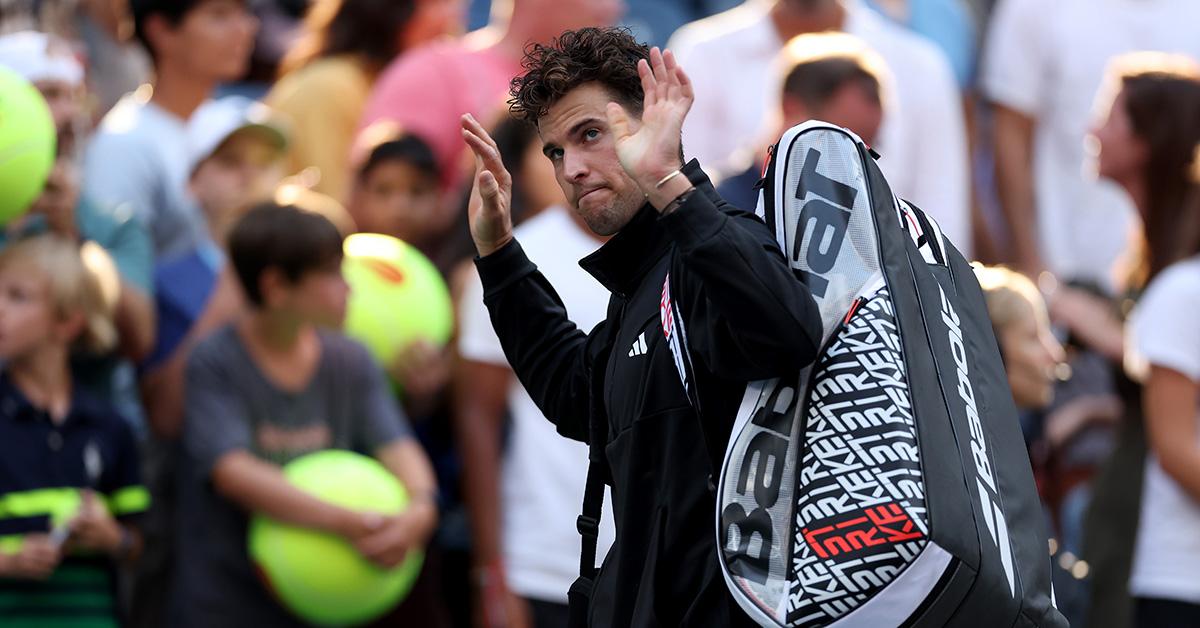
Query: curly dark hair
{"points": [[608, 56]]}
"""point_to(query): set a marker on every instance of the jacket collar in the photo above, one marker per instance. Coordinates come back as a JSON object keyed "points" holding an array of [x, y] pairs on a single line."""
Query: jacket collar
{"points": [[621, 263]]}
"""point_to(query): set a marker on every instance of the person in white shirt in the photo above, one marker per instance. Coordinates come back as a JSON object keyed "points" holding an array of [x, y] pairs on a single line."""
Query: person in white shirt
{"points": [[1043, 64], [1148, 146], [139, 156], [923, 138], [523, 501]]}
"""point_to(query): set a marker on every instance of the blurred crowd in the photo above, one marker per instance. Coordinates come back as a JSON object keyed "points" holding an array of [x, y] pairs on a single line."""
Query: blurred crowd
{"points": [[170, 304]]}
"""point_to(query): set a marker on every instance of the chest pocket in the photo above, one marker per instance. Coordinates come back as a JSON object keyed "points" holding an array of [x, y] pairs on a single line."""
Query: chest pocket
{"points": [[642, 377]]}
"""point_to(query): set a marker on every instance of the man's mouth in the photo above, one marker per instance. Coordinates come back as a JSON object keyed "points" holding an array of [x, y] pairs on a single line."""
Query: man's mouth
{"points": [[591, 190]]}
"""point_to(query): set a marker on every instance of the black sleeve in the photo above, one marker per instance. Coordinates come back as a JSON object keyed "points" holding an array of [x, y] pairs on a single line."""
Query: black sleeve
{"points": [[745, 313], [550, 355]]}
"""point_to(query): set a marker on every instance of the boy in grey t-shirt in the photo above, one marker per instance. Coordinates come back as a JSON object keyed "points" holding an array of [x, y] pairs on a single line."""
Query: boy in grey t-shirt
{"points": [[271, 387]]}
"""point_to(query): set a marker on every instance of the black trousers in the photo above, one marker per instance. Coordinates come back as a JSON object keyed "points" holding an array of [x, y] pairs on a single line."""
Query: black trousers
{"points": [[1158, 613]]}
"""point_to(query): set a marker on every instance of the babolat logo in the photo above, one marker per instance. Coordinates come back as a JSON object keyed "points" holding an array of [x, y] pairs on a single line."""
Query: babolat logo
{"points": [[985, 479], [823, 222], [761, 474]]}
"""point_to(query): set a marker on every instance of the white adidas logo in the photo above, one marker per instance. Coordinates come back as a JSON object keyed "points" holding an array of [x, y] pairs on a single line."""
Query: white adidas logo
{"points": [[639, 346]]}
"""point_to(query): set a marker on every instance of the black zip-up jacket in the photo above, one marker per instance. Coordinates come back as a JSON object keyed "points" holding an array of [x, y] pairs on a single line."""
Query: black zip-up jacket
{"points": [[744, 317]]}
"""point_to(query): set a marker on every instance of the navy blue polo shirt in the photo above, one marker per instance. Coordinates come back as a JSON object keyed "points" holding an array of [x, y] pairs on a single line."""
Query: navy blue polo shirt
{"points": [[43, 469]]}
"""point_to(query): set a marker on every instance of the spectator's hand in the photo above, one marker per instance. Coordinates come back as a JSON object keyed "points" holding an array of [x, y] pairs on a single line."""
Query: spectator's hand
{"points": [[389, 544], [497, 606], [37, 560], [649, 149], [59, 199], [94, 528], [490, 211], [423, 370]]}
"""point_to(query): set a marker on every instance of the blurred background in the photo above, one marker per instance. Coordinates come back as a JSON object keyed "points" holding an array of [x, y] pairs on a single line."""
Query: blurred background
{"points": [[1054, 142]]}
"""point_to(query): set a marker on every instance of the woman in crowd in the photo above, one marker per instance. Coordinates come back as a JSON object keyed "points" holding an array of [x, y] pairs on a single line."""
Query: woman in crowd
{"points": [[327, 75], [1148, 145]]}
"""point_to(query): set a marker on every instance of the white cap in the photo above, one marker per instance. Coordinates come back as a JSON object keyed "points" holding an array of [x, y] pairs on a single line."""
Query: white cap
{"points": [[40, 57], [216, 120]]}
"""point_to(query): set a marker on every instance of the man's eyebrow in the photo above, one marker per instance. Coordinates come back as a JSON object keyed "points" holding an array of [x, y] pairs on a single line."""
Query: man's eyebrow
{"points": [[579, 126], [575, 128]]}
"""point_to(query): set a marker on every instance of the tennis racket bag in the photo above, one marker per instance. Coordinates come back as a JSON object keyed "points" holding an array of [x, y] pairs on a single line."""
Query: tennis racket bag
{"points": [[887, 484]]}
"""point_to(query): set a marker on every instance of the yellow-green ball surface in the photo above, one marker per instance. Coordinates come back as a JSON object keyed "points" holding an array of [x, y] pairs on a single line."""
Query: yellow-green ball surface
{"points": [[27, 144], [320, 577], [396, 296]]}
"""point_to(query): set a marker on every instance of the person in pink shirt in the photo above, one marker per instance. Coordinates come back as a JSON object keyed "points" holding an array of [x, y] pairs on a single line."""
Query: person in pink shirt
{"points": [[427, 90]]}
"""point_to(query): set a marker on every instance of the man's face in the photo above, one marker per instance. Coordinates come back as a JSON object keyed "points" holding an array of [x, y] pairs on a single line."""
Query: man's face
{"points": [[852, 106], [577, 140], [214, 40]]}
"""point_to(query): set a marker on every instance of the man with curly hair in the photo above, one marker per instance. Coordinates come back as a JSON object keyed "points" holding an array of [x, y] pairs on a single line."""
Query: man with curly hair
{"points": [[702, 301]]}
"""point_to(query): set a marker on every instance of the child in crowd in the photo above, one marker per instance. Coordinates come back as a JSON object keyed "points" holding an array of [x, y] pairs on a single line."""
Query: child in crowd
{"points": [[396, 190], [69, 468], [237, 149], [274, 385], [1031, 352]]}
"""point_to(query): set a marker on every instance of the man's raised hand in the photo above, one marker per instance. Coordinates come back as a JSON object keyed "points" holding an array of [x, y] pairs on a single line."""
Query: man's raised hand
{"points": [[650, 151], [490, 211]]}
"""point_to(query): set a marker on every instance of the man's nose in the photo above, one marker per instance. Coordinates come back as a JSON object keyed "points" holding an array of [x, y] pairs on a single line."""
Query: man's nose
{"points": [[574, 166]]}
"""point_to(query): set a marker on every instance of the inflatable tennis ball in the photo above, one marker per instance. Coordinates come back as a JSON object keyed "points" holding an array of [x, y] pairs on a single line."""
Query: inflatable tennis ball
{"points": [[396, 296], [318, 576], [27, 141]]}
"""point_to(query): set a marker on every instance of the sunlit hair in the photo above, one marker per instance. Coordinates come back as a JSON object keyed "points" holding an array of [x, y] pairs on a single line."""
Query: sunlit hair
{"points": [[608, 56], [369, 29], [76, 283], [813, 66], [1010, 296], [1162, 99]]}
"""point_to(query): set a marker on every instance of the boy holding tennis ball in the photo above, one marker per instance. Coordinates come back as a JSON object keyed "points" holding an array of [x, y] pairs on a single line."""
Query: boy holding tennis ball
{"points": [[275, 385], [69, 475]]}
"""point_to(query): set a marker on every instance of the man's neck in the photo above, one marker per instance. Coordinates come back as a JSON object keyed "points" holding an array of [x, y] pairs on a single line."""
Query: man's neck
{"points": [[790, 23], [178, 92], [44, 377]]}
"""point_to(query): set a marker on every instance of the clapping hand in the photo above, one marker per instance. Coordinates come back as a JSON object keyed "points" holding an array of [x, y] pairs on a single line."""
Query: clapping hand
{"points": [[490, 212], [649, 151]]}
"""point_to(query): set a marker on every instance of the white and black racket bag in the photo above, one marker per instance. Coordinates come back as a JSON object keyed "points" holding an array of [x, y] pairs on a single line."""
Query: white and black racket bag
{"points": [[887, 484]]}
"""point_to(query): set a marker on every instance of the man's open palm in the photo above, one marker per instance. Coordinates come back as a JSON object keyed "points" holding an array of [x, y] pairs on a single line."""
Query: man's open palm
{"points": [[490, 212], [651, 151]]}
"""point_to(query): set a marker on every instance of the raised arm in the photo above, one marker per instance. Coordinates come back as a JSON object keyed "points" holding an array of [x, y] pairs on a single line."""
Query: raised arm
{"points": [[549, 354]]}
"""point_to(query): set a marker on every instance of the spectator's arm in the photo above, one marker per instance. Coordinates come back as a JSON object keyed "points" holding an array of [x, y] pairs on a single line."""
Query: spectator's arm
{"points": [[480, 398], [407, 461], [1169, 401], [136, 322], [1016, 78], [163, 387], [941, 174], [1013, 143], [260, 487]]}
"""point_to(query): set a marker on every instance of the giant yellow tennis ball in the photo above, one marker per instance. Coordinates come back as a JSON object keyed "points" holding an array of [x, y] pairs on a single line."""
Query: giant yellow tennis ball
{"points": [[27, 141], [320, 577], [396, 296]]}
